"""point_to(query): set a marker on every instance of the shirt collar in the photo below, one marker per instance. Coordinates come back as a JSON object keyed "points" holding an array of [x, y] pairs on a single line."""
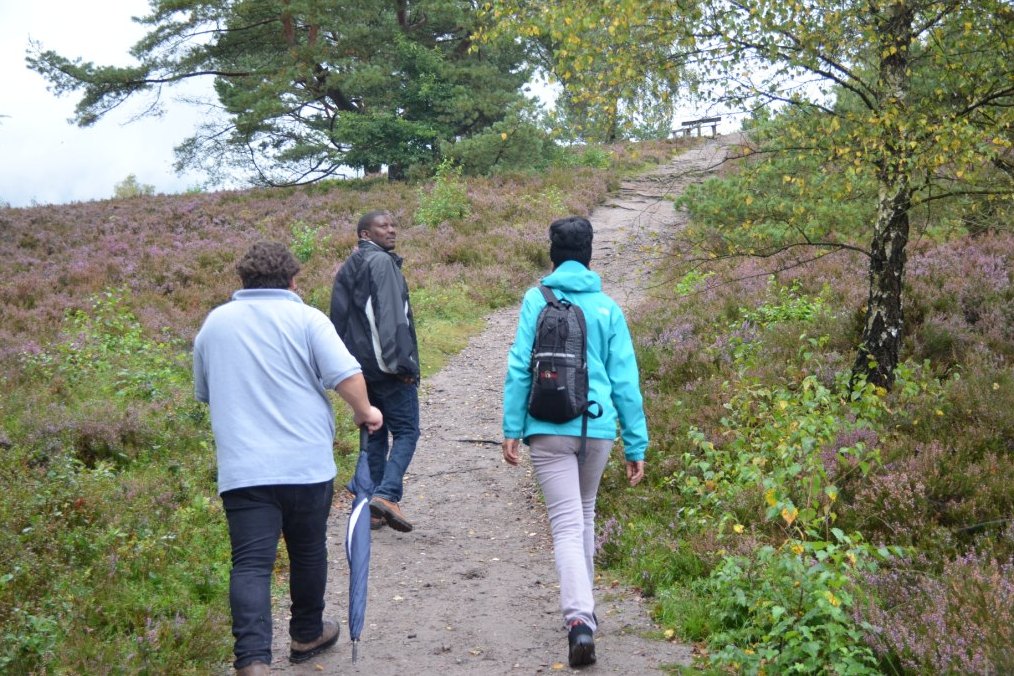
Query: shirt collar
{"points": [[266, 294]]}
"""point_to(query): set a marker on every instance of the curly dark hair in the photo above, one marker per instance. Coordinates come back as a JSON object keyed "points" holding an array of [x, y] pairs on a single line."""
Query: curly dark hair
{"points": [[267, 265]]}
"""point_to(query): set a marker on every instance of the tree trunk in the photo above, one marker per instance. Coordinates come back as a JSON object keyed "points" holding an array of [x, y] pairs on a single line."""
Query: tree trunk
{"points": [[396, 172], [881, 342], [613, 132]]}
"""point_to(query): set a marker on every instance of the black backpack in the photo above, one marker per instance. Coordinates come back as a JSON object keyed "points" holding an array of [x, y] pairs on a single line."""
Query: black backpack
{"points": [[559, 365]]}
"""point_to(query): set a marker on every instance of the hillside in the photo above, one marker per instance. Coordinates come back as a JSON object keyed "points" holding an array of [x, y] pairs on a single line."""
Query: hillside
{"points": [[787, 519]]}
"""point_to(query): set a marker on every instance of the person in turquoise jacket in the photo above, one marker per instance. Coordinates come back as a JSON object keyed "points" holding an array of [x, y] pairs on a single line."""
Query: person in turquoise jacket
{"points": [[569, 483]]}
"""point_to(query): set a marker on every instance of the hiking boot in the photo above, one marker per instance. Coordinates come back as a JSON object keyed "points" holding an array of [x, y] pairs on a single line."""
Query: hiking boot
{"points": [[582, 645], [254, 669], [376, 522], [390, 512], [301, 652]]}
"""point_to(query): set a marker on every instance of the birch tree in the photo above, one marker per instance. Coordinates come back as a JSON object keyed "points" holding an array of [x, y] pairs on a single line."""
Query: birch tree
{"points": [[919, 94]]}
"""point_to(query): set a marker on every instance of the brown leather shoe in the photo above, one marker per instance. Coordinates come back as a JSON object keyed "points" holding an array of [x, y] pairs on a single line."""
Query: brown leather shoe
{"points": [[301, 652], [390, 513], [254, 669], [376, 522]]}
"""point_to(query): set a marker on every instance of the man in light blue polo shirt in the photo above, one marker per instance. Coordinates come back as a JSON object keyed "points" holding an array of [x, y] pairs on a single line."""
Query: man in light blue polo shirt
{"points": [[264, 362]]}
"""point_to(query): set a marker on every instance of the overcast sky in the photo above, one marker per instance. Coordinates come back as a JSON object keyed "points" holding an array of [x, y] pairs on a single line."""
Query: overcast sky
{"points": [[46, 160]]}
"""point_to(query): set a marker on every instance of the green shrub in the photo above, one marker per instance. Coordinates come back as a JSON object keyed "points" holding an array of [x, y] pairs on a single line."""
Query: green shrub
{"points": [[306, 241], [787, 609], [447, 200], [130, 187], [514, 144]]}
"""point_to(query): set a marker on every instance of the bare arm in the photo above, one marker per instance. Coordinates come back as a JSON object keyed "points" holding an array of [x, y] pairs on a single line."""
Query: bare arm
{"points": [[353, 391]]}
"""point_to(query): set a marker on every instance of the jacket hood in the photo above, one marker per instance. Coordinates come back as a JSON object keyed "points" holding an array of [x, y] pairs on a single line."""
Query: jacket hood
{"points": [[572, 276]]}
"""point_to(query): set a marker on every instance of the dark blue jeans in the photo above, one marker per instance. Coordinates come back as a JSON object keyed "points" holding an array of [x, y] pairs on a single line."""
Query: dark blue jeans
{"points": [[399, 402], [257, 516]]}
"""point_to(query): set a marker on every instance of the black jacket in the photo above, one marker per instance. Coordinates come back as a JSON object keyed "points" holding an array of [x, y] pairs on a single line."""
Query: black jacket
{"points": [[370, 310]]}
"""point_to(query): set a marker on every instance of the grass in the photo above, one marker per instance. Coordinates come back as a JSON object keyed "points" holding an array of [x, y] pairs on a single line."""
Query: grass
{"points": [[793, 523], [779, 512], [109, 472]]}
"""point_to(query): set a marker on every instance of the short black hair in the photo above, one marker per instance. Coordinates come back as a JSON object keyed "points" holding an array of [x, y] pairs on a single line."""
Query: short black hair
{"points": [[570, 239], [267, 265], [366, 220]]}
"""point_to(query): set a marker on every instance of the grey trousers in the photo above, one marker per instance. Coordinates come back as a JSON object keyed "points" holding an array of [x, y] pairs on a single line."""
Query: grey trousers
{"points": [[569, 488]]}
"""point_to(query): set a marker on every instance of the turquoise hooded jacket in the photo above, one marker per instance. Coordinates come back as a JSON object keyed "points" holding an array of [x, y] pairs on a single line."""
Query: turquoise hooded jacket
{"points": [[613, 379]]}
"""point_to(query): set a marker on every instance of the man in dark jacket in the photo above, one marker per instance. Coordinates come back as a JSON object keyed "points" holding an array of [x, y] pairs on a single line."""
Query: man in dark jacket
{"points": [[370, 310]]}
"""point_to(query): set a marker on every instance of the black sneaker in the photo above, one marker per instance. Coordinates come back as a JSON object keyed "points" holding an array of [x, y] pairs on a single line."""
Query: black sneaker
{"points": [[582, 645]]}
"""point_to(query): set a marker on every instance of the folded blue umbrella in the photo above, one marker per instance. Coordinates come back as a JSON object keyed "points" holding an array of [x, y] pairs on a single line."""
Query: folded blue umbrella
{"points": [[357, 542]]}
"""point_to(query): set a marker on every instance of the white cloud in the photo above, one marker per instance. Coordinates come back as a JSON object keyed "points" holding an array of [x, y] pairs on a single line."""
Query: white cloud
{"points": [[46, 160]]}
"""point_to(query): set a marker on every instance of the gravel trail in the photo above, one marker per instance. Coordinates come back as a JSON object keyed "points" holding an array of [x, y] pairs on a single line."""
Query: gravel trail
{"points": [[472, 590]]}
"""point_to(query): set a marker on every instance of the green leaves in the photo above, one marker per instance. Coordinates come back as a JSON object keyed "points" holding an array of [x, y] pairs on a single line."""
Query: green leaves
{"points": [[446, 201], [311, 88]]}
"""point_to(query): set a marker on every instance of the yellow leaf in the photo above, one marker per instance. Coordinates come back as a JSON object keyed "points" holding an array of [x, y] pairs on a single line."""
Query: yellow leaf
{"points": [[789, 514], [749, 200], [769, 496], [669, 633], [738, 528], [557, 666], [503, 136], [797, 549]]}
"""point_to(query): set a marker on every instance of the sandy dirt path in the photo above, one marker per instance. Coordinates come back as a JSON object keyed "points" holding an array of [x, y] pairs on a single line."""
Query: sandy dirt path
{"points": [[473, 589]]}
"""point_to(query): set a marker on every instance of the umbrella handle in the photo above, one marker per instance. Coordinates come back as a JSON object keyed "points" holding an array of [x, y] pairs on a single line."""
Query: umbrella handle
{"points": [[364, 438]]}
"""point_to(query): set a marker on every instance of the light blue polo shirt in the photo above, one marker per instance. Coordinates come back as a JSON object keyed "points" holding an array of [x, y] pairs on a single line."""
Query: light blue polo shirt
{"points": [[264, 361]]}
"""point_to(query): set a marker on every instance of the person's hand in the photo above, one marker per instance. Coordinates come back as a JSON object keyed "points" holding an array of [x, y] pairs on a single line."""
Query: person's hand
{"points": [[635, 471], [511, 448], [372, 418]]}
